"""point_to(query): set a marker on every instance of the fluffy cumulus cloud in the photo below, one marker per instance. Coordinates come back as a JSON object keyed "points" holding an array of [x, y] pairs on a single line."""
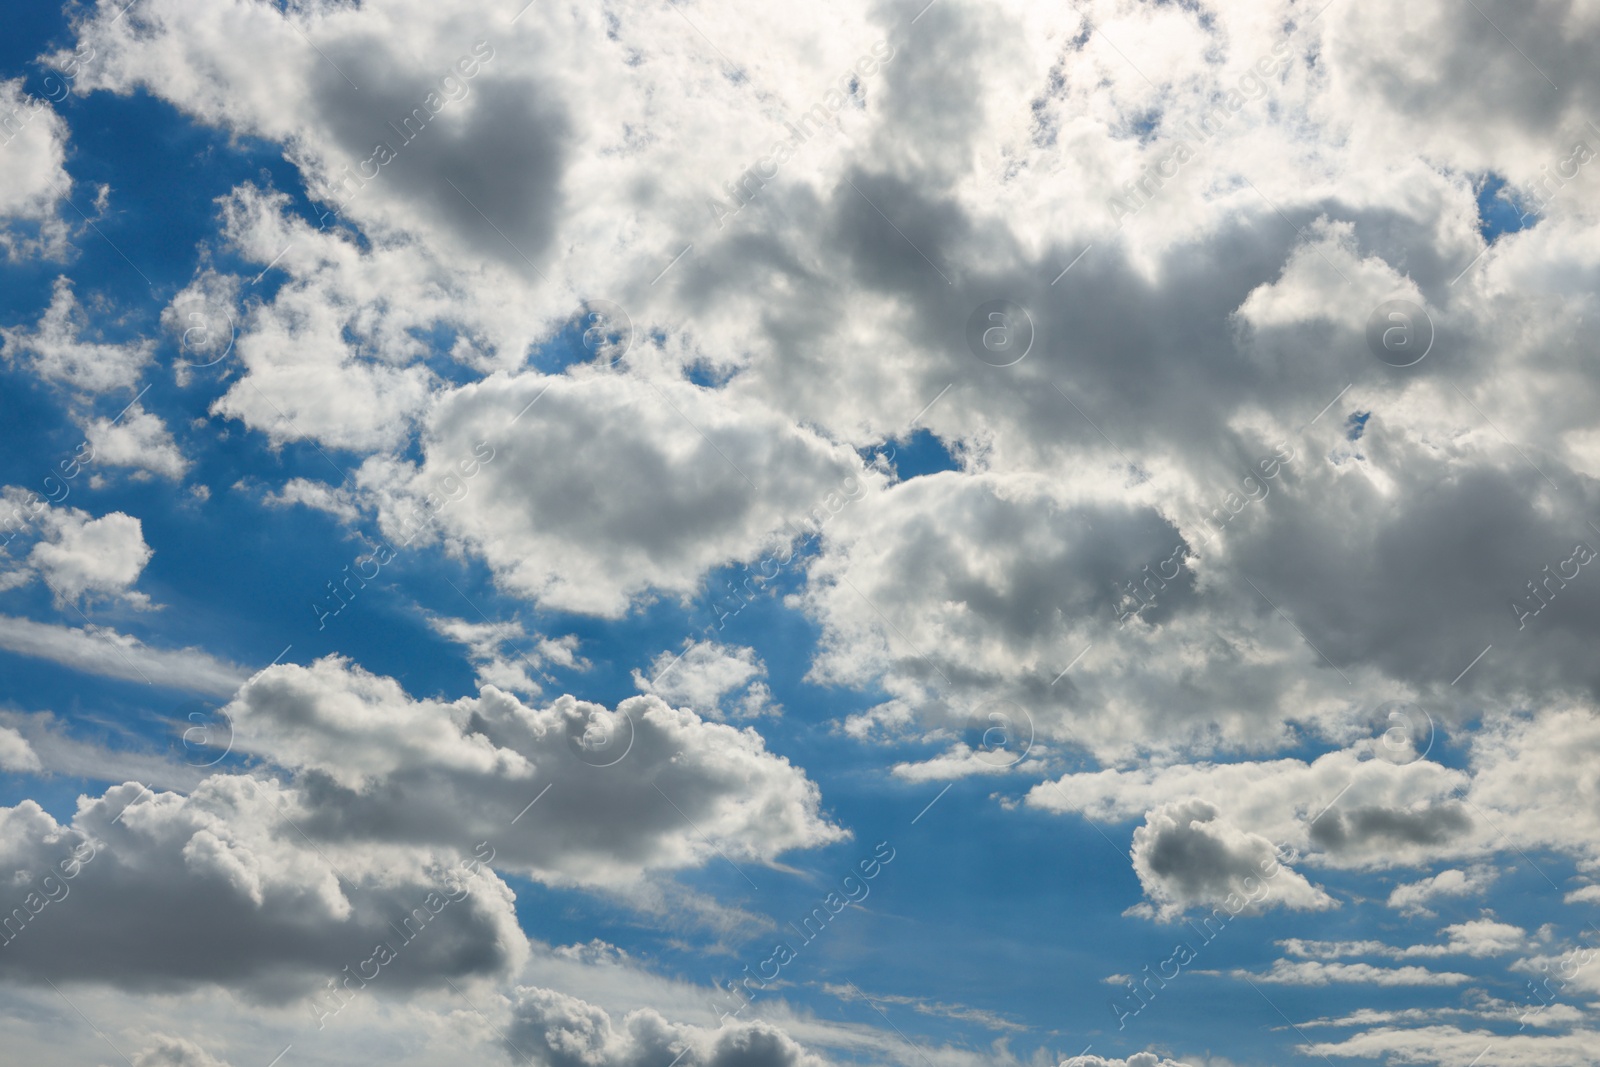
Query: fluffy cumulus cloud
{"points": [[668, 483], [563, 1031], [79, 556], [227, 890], [1187, 856], [139, 439], [714, 679], [56, 350], [33, 177], [600, 795], [15, 752]]}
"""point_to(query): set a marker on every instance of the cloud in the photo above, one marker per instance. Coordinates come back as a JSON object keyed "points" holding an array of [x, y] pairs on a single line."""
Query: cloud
{"points": [[562, 1031], [601, 795], [225, 865], [705, 675], [492, 648], [1318, 973], [1186, 855], [1476, 938], [675, 484], [1373, 804], [1451, 1046], [319, 496], [137, 439], [56, 351], [104, 651], [33, 175], [79, 556], [167, 1050], [16, 755], [1411, 899]]}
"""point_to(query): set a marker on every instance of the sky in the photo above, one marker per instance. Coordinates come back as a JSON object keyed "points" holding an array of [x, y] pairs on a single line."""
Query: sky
{"points": [[905, 534]]}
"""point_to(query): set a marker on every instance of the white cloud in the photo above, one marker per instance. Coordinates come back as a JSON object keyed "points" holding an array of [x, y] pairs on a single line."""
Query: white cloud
{"points": [[33, 175], [56, 351], [16, 754], [1318, 973], [104, 651], [1187, 856], [225, 862], [706, 676], [80, 556], [631, 790], [139, 439], [319, 496], [1411, 899]]}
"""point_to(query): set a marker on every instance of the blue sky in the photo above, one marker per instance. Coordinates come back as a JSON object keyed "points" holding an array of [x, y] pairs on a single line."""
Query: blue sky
{"points": [[934, 657]]}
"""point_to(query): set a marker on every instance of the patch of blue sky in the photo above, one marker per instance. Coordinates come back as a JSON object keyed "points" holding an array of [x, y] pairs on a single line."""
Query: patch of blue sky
{"points": [[1499, 209]]}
